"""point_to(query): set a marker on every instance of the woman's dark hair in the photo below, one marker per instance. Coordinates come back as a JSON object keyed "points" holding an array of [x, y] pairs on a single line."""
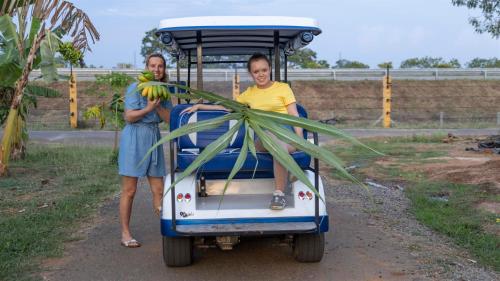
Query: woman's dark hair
{"points": [[158, 55], [256, 57]]}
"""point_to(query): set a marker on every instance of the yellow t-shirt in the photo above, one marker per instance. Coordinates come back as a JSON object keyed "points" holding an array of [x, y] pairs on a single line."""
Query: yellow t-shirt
{"points": [[274, 98]]}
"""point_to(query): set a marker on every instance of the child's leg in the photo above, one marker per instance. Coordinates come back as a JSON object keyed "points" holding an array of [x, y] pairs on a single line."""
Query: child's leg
{"points": [[280, 173]]}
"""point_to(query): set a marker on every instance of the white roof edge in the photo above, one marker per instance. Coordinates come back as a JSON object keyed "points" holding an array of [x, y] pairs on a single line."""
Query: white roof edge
{"points": [[235, 21]]}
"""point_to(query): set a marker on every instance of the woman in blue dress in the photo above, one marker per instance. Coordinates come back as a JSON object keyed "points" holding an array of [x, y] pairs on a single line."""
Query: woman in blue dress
{"points": [[140, 133]]}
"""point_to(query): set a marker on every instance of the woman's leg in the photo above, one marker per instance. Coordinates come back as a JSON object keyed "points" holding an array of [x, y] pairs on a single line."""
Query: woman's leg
{"points": [[129, 187], [156, 184]]}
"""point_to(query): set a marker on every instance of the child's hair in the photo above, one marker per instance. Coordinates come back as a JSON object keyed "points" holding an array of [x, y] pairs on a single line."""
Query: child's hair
{"points": [[256, 57], [158, 55]]}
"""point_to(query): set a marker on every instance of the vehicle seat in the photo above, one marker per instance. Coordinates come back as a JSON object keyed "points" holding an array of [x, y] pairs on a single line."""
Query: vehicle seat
{"points": [[189, 146]]}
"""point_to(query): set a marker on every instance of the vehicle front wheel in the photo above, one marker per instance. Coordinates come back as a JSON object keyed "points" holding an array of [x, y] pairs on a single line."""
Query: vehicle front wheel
{"points": [[309, 247], [177, 251]]}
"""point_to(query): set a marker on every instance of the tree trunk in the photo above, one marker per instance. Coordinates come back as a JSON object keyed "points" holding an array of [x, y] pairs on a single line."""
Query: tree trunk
{"points": [[11, 126], [7, 140]]}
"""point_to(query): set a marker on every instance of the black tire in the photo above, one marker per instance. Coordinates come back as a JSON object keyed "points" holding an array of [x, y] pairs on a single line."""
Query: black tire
{"points": [[309, 247], [177, 251]]}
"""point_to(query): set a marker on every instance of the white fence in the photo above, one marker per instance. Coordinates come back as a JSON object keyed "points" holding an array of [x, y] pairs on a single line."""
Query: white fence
{"points": [[88, 74]]}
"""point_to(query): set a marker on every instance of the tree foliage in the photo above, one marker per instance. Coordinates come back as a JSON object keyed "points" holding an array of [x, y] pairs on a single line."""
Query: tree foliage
{"points": [[152, 44], [384, 65], [70, 54], [343, 63], [490, 21], [484, 63], [29, 44], [306, 58], [430, 62]]}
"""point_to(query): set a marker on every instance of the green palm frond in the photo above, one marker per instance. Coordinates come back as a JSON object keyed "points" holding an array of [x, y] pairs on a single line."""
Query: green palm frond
{"points": [[208, 153], [309, 125], [237, 165], [192, 128], [313, 150], [260, 121], [281, 155]]}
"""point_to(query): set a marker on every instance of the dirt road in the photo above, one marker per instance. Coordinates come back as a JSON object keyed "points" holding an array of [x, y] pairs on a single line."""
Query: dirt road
{"points": [[368, 240]]}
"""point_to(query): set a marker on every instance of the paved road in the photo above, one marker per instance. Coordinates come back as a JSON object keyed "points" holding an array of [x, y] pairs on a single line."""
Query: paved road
{"points": [[106, 137]]}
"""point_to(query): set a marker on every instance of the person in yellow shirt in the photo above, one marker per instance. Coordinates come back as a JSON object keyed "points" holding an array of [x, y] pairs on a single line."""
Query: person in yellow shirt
{"points": [[270, 96]]}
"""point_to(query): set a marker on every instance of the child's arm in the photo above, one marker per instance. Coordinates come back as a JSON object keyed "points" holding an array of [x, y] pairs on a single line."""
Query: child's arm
{"points": [[199, 106], [292, 110]]}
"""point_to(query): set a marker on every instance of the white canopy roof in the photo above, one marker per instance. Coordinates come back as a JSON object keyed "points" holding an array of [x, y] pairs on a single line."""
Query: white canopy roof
{"points": [[226, 35]]}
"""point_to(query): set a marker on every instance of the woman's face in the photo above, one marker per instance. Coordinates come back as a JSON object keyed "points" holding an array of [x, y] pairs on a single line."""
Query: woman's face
{"points": [[260, 71], [155, 65]]}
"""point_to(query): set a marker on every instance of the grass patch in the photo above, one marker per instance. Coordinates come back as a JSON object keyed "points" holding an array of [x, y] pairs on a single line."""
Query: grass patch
{"points": [[447, 208], [466, 124], [45, 198]]}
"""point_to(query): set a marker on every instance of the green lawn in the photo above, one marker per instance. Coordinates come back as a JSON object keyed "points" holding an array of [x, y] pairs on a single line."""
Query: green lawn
{"points": [[44, 200], [448, 208]]}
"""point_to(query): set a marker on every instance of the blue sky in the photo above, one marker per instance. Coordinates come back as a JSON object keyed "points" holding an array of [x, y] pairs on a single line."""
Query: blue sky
{"points": [[370, 31]]}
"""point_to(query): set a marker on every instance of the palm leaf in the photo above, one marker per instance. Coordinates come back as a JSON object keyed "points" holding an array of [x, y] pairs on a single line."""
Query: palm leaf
{"points": [[309, 148], [282, 156], [208, 153], [237, 166], [251, 147], [193, 127], [309, 125]]}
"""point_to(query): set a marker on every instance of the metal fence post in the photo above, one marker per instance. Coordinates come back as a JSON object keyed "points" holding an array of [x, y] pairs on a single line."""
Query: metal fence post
{"points": [[498, 118], [485, 74], [436, 74], [441, 118]]}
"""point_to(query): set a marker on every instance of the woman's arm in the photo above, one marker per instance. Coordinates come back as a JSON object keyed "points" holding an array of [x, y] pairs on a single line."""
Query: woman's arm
{"points": [[163, 113], [134, 115], [198, 106], [292, 110]]}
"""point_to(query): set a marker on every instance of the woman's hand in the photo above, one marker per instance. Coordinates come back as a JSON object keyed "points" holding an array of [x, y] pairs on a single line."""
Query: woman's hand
{"points": [[191, 109], [152, 105]]}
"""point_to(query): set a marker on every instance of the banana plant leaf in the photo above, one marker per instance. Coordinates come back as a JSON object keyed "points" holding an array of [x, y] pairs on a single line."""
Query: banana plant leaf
{"points": [[48, 49]]}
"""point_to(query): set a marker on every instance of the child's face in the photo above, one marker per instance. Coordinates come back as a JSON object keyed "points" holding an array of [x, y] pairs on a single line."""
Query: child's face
{"points": [[155, 65], [260, 72]]}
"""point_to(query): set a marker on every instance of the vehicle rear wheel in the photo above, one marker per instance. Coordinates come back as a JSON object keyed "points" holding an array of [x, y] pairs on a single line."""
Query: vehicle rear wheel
{"points": [[177, 251], [309, 247]]}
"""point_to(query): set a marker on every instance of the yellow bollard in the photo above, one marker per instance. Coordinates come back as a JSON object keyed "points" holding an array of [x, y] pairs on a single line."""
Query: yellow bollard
{"points": [[387, 93], [236, 86], [73, 105]]}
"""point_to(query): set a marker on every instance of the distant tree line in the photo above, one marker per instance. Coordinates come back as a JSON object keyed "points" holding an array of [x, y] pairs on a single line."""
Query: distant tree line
{"points": [[307, 58]]}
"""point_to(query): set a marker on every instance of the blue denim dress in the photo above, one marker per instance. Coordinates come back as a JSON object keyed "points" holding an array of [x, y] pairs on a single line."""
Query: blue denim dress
{"points": [[138, 137]]}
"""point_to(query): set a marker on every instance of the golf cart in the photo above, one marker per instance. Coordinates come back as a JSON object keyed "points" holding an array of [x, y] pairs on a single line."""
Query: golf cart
{"points": [[193, 215]]}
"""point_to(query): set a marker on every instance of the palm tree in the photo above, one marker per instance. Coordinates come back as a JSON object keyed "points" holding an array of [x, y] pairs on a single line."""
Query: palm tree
{"points": [[33, 43]]}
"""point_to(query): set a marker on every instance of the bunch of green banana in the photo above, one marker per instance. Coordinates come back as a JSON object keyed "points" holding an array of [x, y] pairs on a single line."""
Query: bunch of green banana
{"points": [[154, 91]]}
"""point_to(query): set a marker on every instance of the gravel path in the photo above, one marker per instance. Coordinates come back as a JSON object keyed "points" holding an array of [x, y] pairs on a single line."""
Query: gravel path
{"points": [[434, 256]]}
